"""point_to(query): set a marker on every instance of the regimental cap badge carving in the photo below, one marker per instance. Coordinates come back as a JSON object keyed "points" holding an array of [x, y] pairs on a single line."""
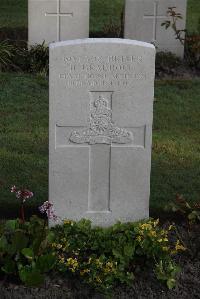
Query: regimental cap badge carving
{"points": [[101, 128]]}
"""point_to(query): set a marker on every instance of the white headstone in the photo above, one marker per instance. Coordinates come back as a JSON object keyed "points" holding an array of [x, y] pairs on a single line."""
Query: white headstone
{"points": [[143, 19], [57, 20], [101, 111]]}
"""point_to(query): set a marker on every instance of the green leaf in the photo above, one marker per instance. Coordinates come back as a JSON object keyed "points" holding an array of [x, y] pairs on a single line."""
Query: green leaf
{"points": [[11, 225], [171, 283], [45, 262], [174, 209], [51, 237], [129, 250], [9, 266], [3, 243], [31, 276], [19, 241], [116, 253], [166, 24], [192, 215], [28, 253]]}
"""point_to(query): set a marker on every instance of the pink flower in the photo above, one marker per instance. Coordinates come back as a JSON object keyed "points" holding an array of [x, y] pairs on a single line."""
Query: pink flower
{"points": [[47, 208], [25, 194], [21, 194], [18, 194], [13, 189]]}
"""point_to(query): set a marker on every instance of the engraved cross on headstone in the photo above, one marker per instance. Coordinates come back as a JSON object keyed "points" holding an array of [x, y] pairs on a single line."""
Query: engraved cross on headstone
{"points": [[155, 17], [58, 15], [100, 134]]}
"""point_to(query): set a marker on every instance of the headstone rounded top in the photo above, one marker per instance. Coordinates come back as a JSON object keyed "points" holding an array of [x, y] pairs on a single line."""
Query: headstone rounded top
{"points": [[102, 41]]}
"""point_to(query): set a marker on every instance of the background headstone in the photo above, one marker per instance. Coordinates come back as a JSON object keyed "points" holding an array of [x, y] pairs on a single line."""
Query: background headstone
{"points": [[101, 111], [57, 20], [143, 19]]}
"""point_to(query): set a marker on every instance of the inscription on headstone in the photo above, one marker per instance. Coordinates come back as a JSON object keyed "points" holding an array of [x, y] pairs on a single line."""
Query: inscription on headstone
{"points": [[57, 20], [100, 129], [143, 19]]}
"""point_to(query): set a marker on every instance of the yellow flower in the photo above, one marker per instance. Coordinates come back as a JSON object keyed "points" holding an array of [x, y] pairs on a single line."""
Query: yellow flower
{"points": [[141, 232], [162, 240], [64, 248], [109, 267], [72, 263], [59, 246], [155, 223], [152, 233], [179, 246], [66, 221], [163, 232], [109, 264], [98, 279], [63, 240], [146, 226], [70, 260], [139, 239], [55, 245], [82, 272], [98, 263], [61, 260], [165, 248]]}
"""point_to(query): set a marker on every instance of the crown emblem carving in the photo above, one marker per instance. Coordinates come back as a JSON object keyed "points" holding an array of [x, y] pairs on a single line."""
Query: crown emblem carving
{"points": [[101, 128]]}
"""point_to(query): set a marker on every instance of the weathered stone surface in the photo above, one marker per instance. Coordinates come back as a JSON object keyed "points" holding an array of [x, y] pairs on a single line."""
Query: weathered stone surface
{"points": [[57, 20], [143, 19], [101, 111]]}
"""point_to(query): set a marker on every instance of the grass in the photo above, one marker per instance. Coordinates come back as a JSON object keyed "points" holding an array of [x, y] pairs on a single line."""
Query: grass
{"points": [[23, 137], [13, 13], [193, 15], [24, 140], [176, 147], [103, 11]]}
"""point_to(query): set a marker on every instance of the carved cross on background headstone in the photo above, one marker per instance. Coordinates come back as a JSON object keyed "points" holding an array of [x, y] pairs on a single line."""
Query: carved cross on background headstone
{"points": [[155, 18], [58, 14]]}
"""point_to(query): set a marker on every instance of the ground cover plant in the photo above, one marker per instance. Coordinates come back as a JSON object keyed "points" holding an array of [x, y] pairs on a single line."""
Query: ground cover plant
{"points": [[90, 259], [100, 257]]}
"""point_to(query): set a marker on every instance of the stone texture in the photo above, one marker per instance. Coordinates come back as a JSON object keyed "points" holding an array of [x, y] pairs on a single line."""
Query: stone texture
{"points": [[57, 20], [101, 111], [143, 19]]}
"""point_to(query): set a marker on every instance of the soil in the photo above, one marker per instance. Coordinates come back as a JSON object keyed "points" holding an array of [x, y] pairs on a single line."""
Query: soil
{"points": [[14, 34], [145, 284]]}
